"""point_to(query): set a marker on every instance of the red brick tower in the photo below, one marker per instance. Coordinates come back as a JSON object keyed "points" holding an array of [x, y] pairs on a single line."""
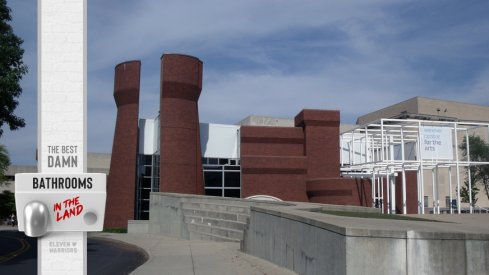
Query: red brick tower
{"points": [[324, 184], [122, 175], [180, 155]]}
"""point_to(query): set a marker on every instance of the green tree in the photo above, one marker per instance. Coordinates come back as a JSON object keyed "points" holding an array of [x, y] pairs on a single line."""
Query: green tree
{"points": [[464, 192], [4, 163], [7, 203], [12, 68], [479, 151]]}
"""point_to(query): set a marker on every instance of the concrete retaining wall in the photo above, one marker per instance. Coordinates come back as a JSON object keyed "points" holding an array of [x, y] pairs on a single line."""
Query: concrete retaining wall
{"points": [[138, 226], [301, 242], [166, 214]]}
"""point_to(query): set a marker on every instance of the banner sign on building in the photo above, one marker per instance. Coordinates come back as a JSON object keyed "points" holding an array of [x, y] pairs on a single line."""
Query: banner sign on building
{"points": [[436, 143]]}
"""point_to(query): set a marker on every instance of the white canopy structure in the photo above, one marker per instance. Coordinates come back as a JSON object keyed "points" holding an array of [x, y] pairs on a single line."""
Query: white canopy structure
{"points": [[388, 148]]}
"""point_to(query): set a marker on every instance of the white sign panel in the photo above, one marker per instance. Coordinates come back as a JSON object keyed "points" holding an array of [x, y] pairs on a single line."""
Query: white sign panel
{"points": [[436, 143], [61, 78], [75, 202], [62, 48]]}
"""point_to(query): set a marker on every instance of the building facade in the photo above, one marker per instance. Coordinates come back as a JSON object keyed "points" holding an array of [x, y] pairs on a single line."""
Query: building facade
{"points": [[289, 159], [176, 153]]}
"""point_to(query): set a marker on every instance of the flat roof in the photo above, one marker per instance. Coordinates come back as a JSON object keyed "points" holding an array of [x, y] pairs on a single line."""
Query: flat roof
{"points": [[429, 109]]}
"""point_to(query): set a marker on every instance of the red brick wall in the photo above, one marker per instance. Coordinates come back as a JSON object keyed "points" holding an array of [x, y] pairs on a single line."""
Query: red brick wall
{"points": [[299, 163], [121, 182], [323, 182], [273, 162], [180, 155], [321, 133], [272, 141], [343, 191], [411, 192]]}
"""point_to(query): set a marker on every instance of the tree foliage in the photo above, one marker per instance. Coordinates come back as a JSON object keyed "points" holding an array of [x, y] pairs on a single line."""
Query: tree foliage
{"points": [[12, 68], [479, 151], [7, 203], [4, 163], [464, 192]]}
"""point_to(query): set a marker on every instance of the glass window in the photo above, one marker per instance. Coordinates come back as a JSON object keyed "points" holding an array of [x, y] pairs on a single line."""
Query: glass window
{"points": [[147, 159], [426, 201], [213, 179], [145, 193], [145, 204], [231, 179], [147, 170], [146, 182], [145, 216], [212, 167], [213, 192], [223, 161], [233, 193], [222, 177]]}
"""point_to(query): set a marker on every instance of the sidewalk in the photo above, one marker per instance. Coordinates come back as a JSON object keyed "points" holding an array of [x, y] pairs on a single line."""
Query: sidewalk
{"points": [[171, 256], [181, 257]]}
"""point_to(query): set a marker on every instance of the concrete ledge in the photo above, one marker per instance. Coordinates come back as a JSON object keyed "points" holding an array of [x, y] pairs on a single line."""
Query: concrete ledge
{"points": [[137, 227], [308, 242], [298, 237]]}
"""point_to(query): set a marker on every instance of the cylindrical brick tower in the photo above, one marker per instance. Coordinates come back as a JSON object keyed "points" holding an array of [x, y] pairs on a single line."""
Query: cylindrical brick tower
{"points": [[122, 176], [180, 154]]}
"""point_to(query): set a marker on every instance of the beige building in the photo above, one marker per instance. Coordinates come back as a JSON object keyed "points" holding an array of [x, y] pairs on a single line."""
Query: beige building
{"points": [[423, 108], [429, 109]]}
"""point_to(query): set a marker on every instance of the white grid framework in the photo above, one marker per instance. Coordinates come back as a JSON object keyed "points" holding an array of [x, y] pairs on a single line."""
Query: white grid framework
{"points": [[388, 148]]}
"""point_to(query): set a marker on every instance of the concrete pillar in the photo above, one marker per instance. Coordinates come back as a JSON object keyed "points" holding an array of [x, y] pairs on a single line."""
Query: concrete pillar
{"points": [[121, 183], [180, 155]]}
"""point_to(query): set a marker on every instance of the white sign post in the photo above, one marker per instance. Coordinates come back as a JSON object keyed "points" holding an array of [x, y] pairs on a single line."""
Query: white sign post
{"points": [[62, 201], [62, 114]]}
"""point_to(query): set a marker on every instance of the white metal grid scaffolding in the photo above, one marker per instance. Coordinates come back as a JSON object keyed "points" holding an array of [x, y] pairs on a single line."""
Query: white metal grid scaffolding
{"points": [[388, 148]]}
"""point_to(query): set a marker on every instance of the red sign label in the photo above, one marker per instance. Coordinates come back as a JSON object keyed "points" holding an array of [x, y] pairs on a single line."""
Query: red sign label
{"points": [[68, 208]]}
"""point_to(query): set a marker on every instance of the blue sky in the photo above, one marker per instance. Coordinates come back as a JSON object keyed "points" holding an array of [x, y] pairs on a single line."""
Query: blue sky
{"points": [[271, 57]]}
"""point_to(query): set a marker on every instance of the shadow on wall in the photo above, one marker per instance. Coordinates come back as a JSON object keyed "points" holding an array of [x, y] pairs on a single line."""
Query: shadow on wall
{"points": [[362, 192], [204, 136]]}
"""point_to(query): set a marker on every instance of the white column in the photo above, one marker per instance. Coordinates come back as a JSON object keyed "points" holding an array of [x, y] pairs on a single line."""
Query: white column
{"points": [[450, 188], [458, 169], [471, 206], [392, 178], [404, 206], [374, 196], [62, 117], [421, 169], [433, 193], [381, 183]]}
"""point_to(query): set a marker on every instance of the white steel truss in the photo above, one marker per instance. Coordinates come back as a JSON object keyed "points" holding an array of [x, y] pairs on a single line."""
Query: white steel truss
{"points": [[388, 148]]}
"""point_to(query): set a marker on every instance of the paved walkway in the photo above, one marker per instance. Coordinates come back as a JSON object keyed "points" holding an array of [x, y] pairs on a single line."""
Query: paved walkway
{"points": [[170, 256]]}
